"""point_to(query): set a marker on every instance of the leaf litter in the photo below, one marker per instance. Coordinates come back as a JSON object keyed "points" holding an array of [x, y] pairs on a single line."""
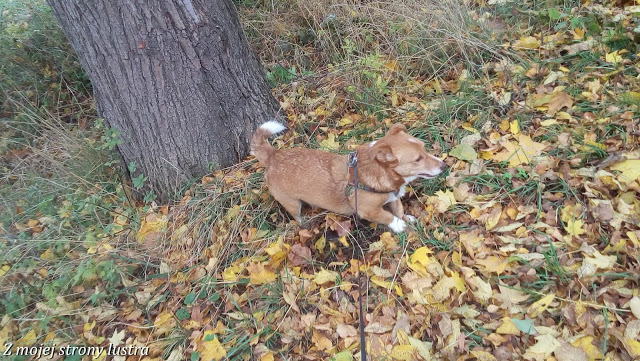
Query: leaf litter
{"points": [[528, 249]]}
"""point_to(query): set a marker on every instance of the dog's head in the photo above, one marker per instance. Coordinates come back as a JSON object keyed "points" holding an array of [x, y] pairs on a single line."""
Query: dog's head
{"points": [[406, 155]]}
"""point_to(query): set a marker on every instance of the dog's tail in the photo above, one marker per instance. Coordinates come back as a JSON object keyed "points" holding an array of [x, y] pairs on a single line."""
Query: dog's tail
{"points": [[260, 146]]}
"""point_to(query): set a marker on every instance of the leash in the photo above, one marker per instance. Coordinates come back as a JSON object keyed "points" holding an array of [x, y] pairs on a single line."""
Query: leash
{"points": [[353, 163]]}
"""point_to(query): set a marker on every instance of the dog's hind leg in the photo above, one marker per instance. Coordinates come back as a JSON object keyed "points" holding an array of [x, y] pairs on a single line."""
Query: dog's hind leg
{"points": [[293, 206]]}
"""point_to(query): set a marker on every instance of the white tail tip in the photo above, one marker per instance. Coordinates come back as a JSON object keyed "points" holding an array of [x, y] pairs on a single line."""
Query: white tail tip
{"points": [[273, 127]]}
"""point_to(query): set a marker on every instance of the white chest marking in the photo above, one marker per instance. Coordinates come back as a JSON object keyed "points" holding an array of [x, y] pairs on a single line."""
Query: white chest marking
{"points": [[394, 196]]}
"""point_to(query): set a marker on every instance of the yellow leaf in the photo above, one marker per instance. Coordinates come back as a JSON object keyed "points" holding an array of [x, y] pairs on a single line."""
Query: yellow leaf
{"points": [[527, 42], [578, 34], [321, 341], [631, 97], [508, 327], [574, 227], [320, 243], [325, 276], [175, 236], [259, 275], [345, 121], [28, 339], [458, 282], [421, 256], [48, 254], [164, 322], [540, 305], [391, 65], [211, 349], [586, 344], [521, 153], [633, 347], [421, 347], [494, 217], [613, 57], [402, 352], [4, 269], [494, 264], [548, 122], [278, 251], [230, 274], [483, 355], [152, 224], [330, 142], [376, 280], [629, 170], [504, 124], [267, 357], [442, 200], [514, 127], [101, 356], [456, 257], [321, 111]]}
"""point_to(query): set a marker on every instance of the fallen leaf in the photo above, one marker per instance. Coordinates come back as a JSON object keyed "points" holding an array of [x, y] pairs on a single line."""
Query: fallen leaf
{"points": [[211, 349], [321, 341], [508, 327], [299, 255], [525, 325], [464, 152], [325, 276], [613, 57], [521, 153], [541, 305], [568, 352], [402, 352], [545, 345], [634, 305], [559, 101], [527, 42], [259, 275], [330, 142], [629, 170], [345, 331]]}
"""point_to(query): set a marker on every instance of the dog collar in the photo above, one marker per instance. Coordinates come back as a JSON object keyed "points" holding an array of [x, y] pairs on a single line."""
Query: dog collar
{"points": [[351, 187], [353, 163]]}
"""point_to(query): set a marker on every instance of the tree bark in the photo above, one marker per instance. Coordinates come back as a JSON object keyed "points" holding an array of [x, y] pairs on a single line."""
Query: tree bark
{"points": [[177, 78]]}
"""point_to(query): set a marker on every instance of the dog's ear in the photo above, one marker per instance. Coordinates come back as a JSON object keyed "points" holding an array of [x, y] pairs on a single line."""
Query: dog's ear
{"points": [[397, 128], [383, 154]]}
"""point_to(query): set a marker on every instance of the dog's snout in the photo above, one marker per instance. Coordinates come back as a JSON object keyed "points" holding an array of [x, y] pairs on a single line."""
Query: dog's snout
{"points": [[443, 166]]}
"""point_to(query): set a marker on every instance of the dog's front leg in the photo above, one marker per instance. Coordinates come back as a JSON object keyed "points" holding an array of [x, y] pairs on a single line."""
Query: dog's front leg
{"points": [[398, 210], [380, 215]]}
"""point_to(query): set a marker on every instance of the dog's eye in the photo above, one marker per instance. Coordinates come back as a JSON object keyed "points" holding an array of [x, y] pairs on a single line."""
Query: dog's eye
{"points": [[419, 159]]}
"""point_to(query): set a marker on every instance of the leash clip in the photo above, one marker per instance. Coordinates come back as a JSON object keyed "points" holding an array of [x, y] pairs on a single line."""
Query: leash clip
{"points": [[353, 159]]}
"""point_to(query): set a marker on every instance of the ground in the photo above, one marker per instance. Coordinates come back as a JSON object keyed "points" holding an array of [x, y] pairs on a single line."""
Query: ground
{"points": [[526, 248]]}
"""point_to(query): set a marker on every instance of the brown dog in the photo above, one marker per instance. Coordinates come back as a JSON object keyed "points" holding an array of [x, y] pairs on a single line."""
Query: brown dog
{"points": [[326, 180]]}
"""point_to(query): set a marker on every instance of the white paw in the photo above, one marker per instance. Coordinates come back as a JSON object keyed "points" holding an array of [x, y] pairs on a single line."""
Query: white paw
{"points": [[397, 225], [410, 218]]}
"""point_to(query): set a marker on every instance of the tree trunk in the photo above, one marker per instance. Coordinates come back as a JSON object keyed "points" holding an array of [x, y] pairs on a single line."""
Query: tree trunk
{"points": [[176, 78]]}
